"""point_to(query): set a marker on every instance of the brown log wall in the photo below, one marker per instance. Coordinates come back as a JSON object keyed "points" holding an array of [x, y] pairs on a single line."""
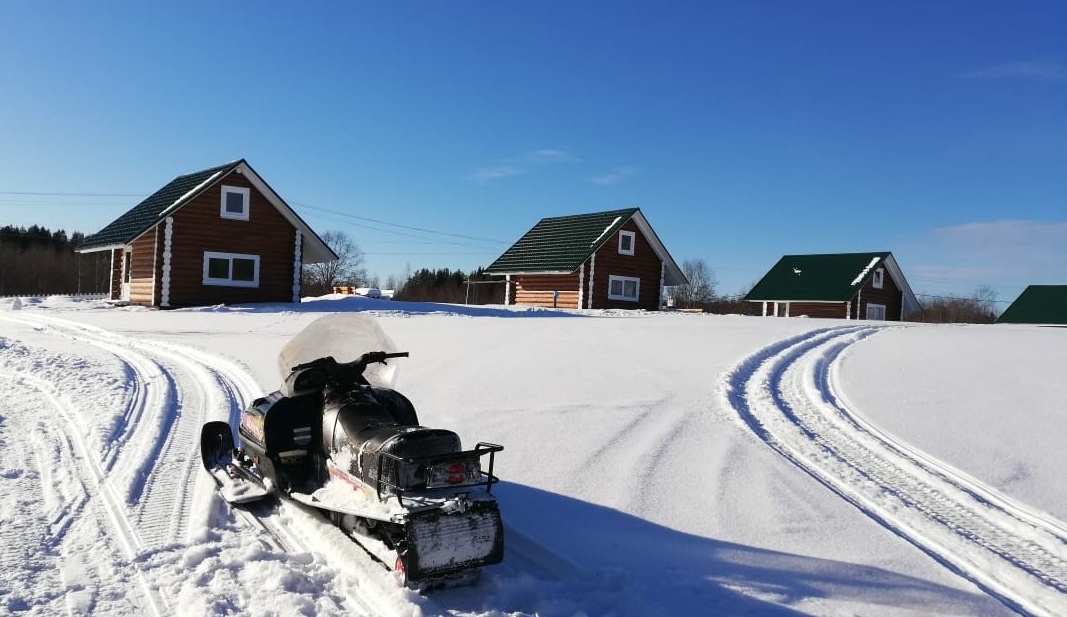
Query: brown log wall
{"points": [[537, 290], [144, 270], [825, 310], [890, 296], [644, 264], [198, 227]]}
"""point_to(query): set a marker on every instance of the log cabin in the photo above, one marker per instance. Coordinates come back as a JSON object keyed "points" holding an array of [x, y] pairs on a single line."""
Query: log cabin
{"points": [[842, 286], [216, 236], [602, 260]]}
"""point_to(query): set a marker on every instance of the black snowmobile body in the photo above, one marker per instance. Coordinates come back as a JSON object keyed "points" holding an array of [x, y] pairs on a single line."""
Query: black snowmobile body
{"points": [[410, 495]]}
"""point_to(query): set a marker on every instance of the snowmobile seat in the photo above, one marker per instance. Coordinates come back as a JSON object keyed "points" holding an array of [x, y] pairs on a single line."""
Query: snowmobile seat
{"points": [[292, 423], [308, 380]]}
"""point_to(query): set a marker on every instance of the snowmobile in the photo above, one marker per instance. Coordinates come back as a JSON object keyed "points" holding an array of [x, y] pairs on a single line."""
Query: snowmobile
{"points": [[337, 437]]}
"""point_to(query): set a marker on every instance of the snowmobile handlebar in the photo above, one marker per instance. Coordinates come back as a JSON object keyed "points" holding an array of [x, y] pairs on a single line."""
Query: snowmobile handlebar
{"points": [[341, 375], [329, 362]]}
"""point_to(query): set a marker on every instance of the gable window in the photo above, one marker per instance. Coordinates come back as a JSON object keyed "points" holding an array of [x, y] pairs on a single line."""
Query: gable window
{"points": [[876, 312], [878, 279], [234, 203], [626, 242], [231, 269], [623, 288]]}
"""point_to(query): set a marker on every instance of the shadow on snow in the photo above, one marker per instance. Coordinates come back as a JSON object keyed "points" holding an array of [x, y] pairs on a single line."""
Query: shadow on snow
{"points": [[569, 557]]}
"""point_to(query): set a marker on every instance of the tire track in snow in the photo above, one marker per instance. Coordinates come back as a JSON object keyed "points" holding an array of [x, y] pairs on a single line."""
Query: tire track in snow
{"points": [[787, 395]]}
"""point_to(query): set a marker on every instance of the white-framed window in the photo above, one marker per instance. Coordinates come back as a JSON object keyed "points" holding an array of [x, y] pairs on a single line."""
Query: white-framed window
{"points": [[231, 269], [626, 242], [875, 312], [878, 279], [234, 203], [624, 288]]}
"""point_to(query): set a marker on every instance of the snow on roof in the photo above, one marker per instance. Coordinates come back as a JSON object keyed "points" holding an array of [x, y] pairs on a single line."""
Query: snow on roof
{"points": [[606, 230], [862, 275]]}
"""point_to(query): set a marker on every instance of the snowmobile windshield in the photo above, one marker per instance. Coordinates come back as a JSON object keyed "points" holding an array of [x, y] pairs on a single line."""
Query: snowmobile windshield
{"points": [[345, 336]]}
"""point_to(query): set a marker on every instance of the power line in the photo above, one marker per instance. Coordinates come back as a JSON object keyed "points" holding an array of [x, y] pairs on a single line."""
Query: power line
{"points": [[376, 254], [962, 298], [411, 235], [943, 282], [364, 218], [42, 194], [345, 215]]}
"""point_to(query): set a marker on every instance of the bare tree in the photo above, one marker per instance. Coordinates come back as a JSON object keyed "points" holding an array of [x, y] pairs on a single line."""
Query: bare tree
{"points": [[347, 269], [700, 290], [979, 308], [986, 300]]}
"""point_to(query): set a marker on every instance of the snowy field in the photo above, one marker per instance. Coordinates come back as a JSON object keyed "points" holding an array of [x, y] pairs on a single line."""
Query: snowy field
{"points": [[654, 464]]}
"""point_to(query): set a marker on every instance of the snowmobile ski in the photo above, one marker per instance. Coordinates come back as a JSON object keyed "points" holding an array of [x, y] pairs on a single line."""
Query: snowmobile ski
{"points": [[236, 481]]}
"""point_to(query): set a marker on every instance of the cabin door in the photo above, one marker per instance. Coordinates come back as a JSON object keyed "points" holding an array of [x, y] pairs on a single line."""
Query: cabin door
{"points": [[127, 258]]}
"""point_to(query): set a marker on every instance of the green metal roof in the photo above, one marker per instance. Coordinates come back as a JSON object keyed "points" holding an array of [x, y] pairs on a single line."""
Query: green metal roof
{"points": [[560, 244], [831, 278], [144, 215], [1038, 304]]}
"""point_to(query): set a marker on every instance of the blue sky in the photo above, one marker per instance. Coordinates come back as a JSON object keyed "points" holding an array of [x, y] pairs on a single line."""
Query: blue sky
{"points": [[437, 133]]}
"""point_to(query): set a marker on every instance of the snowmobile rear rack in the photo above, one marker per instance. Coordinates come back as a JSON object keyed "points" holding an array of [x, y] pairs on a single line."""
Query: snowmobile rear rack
{"points": [[481, 449]]}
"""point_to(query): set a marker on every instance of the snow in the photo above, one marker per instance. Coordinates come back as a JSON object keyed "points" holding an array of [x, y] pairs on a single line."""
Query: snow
{"points": [[654, 463], [863, 274], [606, 230]]}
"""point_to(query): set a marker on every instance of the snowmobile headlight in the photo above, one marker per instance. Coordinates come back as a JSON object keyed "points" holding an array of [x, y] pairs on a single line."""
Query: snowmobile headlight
{"points": [[454, 473]]}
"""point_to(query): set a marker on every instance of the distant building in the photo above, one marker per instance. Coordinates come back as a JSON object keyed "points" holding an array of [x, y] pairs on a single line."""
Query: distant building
{"points": [[607, 259], [841, 285], [216, 236], [1038, 304]]}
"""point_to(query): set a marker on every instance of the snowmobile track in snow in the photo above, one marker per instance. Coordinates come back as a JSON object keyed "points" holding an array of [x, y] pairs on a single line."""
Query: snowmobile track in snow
{"points": [[97, 493], [154, 448], [787, 395]]}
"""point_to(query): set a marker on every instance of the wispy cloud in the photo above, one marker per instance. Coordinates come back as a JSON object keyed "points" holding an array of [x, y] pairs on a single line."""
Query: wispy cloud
{"points": [[488, 174], [517, 165], [549, 157], [1035, 70], [614, 176], [1008, 253]]}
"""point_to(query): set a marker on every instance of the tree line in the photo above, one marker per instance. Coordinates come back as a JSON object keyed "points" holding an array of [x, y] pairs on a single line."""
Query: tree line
{"points": [[38, 261], [452, 287]]}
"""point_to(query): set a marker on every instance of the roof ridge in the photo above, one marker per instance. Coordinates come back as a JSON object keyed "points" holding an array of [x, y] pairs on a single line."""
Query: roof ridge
{"points": [[215, 168], [590, 214], [851, 254]]}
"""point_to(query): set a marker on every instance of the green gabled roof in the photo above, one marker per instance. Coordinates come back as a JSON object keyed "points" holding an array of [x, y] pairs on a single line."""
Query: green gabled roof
{"points": [[1038, 304], [144, 215], [560, 244], [830, 278]]}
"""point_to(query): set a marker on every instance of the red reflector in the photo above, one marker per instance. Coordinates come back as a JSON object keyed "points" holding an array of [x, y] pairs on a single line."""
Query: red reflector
{"points": [[456, 468], [455, 479]]}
